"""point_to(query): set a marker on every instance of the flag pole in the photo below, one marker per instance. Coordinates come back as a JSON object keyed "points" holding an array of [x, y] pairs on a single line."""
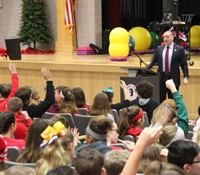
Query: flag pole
{"points": [[70, 21], [75, 31]]}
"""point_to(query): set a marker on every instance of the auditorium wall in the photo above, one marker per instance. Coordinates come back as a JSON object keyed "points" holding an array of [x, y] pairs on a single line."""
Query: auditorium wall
{"points": [[88, 20]]}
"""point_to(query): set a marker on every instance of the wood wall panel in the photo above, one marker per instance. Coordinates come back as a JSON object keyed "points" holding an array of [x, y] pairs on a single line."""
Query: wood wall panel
{"points": [[93, 74]]}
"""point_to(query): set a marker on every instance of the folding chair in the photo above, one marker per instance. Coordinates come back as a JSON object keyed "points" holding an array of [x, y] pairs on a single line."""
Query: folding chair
{"points": [[13, 153], [129, 138], [191, 126], [48, 115], [115, 115], [10, 163], [189, 135], [146, 120], [69, 118], [81, 122], [83, 111]]}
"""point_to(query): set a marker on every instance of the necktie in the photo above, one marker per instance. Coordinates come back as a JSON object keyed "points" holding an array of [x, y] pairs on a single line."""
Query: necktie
{"points": [[167, 61]]}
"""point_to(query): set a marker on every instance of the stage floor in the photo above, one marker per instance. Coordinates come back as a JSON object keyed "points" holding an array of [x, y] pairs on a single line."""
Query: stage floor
{"points": [[95, 59]]}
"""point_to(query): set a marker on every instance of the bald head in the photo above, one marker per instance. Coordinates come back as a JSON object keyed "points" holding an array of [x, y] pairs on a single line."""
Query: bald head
{"points": [[168, 38]]}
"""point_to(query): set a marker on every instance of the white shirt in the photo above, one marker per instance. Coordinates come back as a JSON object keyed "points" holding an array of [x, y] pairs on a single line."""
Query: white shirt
{"points": [[171, 46]]}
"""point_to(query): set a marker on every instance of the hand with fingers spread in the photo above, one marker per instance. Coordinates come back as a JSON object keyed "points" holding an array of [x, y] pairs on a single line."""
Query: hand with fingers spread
{"points": [[46, 74], [12, 68], [125, 89], [75, 134]]}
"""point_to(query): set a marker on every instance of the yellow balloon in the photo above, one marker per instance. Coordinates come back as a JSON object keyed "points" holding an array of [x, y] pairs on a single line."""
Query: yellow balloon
{"points": [[195, 36], [119, 42], [118, 50], [141, 37]]}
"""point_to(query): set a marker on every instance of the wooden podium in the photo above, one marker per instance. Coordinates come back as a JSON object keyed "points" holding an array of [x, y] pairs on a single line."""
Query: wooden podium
{"points": [[135, 75]]}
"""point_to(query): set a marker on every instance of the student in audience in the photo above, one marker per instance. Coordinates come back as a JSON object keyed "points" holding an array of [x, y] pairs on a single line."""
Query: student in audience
{"points": [[89, 162], [65, 122], [170, 134], [112, 135], [3, 153], [20, 170], [123, 104], [112, 138], [131, 122], [144, 100], [186, 155], [35, 96], [163, 168], [23, 121], [7, 129], [79, 96], [67, 103], [165, 114], [24, 93], [115, 160], [61, 170], [57, 148], [150, 154], [32, 152], [101, 106], [7, 91], [55, 107], [96, 132], [171, 103]]}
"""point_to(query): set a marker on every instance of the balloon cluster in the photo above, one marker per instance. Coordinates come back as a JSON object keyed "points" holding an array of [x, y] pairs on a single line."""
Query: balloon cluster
{"points": [[122, 42]]}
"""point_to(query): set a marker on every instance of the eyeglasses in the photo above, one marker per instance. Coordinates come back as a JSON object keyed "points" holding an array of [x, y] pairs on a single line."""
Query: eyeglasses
{"points": [[196, 161]]}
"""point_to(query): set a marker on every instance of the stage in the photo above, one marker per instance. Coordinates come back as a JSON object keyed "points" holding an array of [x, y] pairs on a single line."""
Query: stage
{"points": [[93, 73]]}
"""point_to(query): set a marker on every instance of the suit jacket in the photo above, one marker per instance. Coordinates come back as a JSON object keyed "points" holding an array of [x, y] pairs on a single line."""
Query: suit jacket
{"points": [[178, 59]]}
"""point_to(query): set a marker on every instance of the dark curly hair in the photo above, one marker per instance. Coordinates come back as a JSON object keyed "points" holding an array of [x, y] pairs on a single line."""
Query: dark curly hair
{"points": [[145, 89], [6, 120]]}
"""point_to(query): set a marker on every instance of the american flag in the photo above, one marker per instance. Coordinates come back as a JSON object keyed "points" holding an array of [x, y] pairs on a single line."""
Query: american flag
{"points": [[69, 10]]}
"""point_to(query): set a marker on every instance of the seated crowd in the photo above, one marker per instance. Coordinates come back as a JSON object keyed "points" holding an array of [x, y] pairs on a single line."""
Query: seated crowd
{"points": [[110, 146]]}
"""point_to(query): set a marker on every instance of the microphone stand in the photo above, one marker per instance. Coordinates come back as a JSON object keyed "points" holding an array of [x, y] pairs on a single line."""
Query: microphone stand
{"points": [[146, 71], [141, 61]]}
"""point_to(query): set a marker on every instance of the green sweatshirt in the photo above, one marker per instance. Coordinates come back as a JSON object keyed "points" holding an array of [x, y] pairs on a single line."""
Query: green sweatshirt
{"points": [[182, 114]]}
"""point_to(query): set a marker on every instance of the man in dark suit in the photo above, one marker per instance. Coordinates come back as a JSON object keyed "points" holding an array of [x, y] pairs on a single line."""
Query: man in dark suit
{"points": [[168, 58]]}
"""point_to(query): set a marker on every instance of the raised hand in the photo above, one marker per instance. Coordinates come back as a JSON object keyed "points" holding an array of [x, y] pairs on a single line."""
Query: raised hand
{"points": [[12, 68], [46, 73], [170, 85]]}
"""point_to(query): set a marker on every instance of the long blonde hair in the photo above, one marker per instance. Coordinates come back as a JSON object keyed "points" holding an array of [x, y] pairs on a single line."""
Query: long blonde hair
{"points": [[168, 132], [163, 114], [55, 154]]}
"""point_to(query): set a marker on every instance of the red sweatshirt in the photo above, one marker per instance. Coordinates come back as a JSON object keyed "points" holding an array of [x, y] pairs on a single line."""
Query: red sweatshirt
{"points": [[15, 142], [22, 126], [14, 87], [134, 131]]}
